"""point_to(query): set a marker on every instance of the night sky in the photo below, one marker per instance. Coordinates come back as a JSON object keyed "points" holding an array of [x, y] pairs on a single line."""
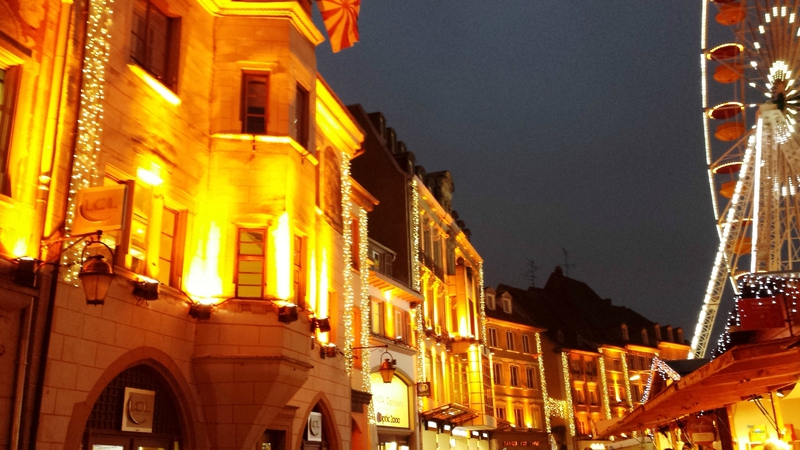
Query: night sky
{"points": [[573, 124]]}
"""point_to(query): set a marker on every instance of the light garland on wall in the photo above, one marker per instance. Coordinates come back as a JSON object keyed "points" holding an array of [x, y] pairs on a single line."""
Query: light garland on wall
{"points": [[568, 392], [415, 266], [556, 408], [664, 370], [543, 383], [627, 380], [420, 351], [87, 147], [483, 304], [363, 257], [606, 401], [347, 273]]}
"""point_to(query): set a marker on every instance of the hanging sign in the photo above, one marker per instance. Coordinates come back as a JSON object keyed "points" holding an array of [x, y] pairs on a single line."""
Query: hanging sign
{"points": [[424, 389], [99, 208], [702, 430], [390, 401], [137, 414], [314, 427]]}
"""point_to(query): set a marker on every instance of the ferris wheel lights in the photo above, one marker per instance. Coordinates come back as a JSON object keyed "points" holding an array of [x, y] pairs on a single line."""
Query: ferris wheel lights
{"points": [[783, 11], [761, 29], [754, 64], [767, 18], [775, 11], [791, 18], [757, 45]]}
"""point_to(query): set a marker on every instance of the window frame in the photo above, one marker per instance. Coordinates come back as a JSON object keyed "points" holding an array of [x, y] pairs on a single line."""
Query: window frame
{"points": [[300, 271], [513, 376], [497, 373], [510, 340], [530, 377], [526, 344], [490, 303], [519, 417], [492, 337], [243, 113], [171, 48], [8, 109], [302, 114], [240, 257], [175, 277]]}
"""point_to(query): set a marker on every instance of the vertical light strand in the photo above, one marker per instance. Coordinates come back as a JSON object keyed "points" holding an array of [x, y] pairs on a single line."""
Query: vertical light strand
{"points": [[627, 380], [415, 268], [347, 272], [420, 351], [606, 402], [87, 146], [363, 257], [483, 304], [543, 383], [568, 393]]}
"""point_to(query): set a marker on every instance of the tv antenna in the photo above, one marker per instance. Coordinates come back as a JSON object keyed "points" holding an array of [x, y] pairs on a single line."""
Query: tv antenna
{"points": [[532, 271], [567, 265]]}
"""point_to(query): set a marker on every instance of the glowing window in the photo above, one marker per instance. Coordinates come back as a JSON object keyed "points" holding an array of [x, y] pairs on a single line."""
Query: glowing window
{"points": [[154, 41], [250, 263], [255, 88]]}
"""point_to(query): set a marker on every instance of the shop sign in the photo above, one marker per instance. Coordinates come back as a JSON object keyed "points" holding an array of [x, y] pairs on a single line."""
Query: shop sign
{"points": [[521, 443], [138, 410], [760, 313], [702, 430], [424, 389], [314, 427], [99, 208], [390, 401]]}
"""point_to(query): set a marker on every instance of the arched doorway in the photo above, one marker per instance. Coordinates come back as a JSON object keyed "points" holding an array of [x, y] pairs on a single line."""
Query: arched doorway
{"points": [[319, 432], [137, 410]]}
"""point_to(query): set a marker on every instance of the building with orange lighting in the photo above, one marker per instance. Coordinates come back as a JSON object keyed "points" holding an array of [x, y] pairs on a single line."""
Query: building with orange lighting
{"points": [[519, 394], [596, 357], [430, 276], [199, 137]]}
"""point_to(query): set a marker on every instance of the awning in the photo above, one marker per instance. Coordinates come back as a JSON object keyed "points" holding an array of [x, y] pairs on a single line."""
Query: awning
{"points": [[736, 375], [452, 413]]}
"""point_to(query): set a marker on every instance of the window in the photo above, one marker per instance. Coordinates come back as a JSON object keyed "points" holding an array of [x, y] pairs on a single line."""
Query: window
{"points": [[582, 428], [507, 304], [592, 396], [536, 417], [254, 103], [500, 412], [644, 337], [299, 272], [355, 245], [250, 263], [636, 392], [169, 252], [580, 396], [492, 337], [576, 366], [519, 416], [617, 364], [509, 340], [658, 332], [154, 41], [526, 345], [530, 377], [624, 332], [498, 374], [376, 317], [490, 301], [514, 376], [137, 250], [299, 120], [680, 335], [591, 368], [8, 92], [670, 336], [399, 325]]}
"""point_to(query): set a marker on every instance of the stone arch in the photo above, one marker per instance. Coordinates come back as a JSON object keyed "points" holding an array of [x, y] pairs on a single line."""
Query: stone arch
{"points": [[172, 375], [329, 427]]}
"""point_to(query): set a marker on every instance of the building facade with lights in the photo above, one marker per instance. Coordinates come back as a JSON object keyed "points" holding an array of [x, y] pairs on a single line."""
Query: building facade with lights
{"points": [[596, 356], [519, 394], [201, 139], [415, 228]]}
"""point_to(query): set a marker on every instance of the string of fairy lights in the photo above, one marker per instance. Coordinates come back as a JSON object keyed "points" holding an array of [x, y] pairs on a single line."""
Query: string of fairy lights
{"points": [[664, 370], [543, 384], [87, 147], [347, 274], [483, 304], [627, 382], [568, 393], [415, 237], [606, 405], [363, 257]]}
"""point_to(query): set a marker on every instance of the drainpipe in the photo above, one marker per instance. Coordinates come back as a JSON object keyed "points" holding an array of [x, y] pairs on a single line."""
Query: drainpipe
{"points": [[22, 370]]}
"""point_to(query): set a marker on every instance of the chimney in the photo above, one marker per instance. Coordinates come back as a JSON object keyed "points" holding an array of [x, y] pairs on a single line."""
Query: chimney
{"points": [[391, 140], [559, 272]]}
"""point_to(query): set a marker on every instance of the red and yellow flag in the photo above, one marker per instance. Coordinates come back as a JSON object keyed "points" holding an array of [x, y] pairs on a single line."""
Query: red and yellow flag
{"points": [[341, 21]]}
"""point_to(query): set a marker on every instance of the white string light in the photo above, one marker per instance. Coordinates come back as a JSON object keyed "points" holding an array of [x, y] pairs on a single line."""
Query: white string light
{"points": [[543, 383], [363, 257], [568, 392], [347, 273], [606, 402], [627, 381]]}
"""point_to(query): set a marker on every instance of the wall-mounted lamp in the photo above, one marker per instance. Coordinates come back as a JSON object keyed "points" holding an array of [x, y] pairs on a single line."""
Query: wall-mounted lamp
{"points": [[328, 351], [96, 273], [323, 325], [146, 289], [200, 311], [287, 313], [387, 367]]}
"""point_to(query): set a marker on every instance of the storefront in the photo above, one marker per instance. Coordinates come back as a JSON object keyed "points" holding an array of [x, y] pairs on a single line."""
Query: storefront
{"points": [[392, 403], [515, 439]]}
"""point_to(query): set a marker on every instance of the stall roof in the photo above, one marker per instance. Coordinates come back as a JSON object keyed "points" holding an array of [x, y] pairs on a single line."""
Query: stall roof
{"points": [[738, 374]]}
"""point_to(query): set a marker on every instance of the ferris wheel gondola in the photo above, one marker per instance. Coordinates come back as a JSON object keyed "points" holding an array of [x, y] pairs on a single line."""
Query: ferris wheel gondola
{"points": [[750, 103]]}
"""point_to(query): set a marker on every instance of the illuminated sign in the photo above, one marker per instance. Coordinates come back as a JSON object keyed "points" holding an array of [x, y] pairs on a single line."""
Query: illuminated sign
{"points": [[460, 432], [315, 427], [433, 425], [99, 208], [521, 443], [390, 401], [138, 410], [424, 389]]}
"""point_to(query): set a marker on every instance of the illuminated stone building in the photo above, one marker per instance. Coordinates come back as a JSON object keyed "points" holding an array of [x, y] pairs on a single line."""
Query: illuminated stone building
{"points": [[519, 395], [199, 136], [435, 269], [596, 356]]}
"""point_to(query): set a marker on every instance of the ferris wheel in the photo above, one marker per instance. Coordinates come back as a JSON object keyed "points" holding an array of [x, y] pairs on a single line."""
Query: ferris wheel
{"points": [[749, 65]]}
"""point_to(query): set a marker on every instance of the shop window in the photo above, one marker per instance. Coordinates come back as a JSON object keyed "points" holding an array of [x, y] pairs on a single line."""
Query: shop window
{"points": [[155, 41], [498, 374], [492, 337], [250, 258], [514, 376], [8, 99], [299, 270], [255, 88], [526, 345], [299, 116], [509, 340]]}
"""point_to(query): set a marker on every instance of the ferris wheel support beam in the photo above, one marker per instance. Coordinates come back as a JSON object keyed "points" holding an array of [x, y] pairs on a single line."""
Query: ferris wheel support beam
{"points": [[728, 237]]}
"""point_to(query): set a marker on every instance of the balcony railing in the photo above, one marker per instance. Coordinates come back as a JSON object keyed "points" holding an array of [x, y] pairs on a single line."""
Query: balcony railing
{"points": [[428, 262]]}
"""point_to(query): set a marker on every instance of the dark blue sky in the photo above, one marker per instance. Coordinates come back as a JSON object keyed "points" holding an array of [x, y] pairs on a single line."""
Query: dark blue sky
{"points": [[572, 124]]}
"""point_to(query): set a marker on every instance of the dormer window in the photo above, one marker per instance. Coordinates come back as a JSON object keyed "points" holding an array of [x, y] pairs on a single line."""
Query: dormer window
{"points": [[680, 335], [657, 329], [670, 336], [625, 332], [507, 304], [644, 337], [490, 301]]}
